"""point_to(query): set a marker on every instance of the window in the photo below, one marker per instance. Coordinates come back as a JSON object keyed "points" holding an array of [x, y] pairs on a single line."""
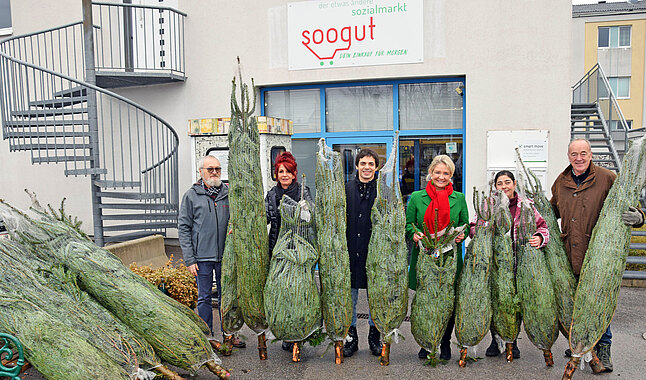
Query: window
{"points": [[359, 108], [614, 36], [5, 18], [300, 106], [430, 106], [615, 125], [620, 87]]}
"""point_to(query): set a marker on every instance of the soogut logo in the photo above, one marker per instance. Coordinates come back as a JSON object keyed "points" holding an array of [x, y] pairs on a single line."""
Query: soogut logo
{"points": [[324, 44]]}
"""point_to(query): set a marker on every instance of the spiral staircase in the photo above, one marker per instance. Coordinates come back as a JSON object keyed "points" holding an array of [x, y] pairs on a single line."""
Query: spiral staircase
{"points": [[54, 104]]}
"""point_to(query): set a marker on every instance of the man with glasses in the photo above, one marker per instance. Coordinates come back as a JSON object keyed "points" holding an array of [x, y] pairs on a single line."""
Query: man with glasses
{"points": [[202, 227], [577, 198]]}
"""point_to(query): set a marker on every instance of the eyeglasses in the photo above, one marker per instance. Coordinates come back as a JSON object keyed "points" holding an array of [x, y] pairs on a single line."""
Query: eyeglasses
{"points": [[211, 170]]}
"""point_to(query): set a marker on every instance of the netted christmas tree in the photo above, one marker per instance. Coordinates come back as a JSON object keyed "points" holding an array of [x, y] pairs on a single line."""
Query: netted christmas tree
{"points": [[247, 211]]}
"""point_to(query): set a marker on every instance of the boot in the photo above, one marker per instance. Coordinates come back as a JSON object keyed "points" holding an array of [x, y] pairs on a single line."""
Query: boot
{"points": [[374, 341], [603, 352], [493, 349], [515, 352], [352, 345], [445, 344]]}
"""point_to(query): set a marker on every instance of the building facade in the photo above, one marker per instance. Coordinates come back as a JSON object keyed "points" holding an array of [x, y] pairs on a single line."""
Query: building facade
{"points": [[472, 69], [613, 35]]}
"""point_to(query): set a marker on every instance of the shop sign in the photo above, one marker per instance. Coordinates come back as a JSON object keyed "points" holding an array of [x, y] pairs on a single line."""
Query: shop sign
{"points": [[340, 33]]}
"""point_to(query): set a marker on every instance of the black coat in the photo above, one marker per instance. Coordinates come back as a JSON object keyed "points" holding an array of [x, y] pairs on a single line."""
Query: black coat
{"points": [[273, 213], [359, 227]]}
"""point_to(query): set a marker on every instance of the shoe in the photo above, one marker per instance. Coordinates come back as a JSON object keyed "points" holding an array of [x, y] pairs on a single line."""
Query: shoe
{"points": [[287, 346], [445, 351], [422, 354], [352, 345], [515, 352], [374, 342], [603, 352], [493, 349], [568, 353], [237, 342]]}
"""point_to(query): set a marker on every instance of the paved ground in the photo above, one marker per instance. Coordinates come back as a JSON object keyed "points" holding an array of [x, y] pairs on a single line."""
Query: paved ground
{"points": [[628, 350]]}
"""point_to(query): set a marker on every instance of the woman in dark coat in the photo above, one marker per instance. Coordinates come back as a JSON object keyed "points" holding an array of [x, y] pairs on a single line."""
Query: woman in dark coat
{"points": [[286, 184]]}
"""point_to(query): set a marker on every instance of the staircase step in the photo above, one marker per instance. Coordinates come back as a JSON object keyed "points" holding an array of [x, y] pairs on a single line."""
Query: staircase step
{"points": [[137, 206], [637, 245], [140, 226], [47, 160], [37, 135], [49, 146], [106, 184], [130, 236], [88, 171], [49, 112], [71, 92], [155, 216], [58, 103], [579, 105], [636, 260], [130, 195], [44, 123]]}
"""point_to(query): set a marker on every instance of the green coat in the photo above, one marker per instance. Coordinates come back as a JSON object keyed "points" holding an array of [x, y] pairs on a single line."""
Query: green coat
{"points": [[417, 205]]}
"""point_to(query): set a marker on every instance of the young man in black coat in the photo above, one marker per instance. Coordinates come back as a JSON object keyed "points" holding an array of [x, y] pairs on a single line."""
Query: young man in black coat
{"points": [[360, 193]]}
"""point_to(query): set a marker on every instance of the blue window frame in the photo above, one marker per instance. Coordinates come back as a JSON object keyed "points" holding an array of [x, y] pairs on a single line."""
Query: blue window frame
{"points": [[307, 95]]}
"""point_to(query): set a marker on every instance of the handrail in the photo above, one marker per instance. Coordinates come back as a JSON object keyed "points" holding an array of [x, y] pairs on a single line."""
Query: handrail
{"points": [[611, 95], [96, 88], [140, 6], [41, 32]]}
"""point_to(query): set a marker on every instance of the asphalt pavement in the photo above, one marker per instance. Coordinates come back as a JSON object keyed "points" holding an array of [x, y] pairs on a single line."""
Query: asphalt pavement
{"points": [[628, 353]]}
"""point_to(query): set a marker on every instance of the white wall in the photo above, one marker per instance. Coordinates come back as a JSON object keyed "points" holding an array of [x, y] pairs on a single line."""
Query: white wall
{"points": [[515, 57]]}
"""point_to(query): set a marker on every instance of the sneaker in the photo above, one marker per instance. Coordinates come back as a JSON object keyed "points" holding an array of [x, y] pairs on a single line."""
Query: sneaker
{"points": [[422, 354], [568, 353], [515, 352], [603, 352], [374, 342], [493, 349], [287, 346]]}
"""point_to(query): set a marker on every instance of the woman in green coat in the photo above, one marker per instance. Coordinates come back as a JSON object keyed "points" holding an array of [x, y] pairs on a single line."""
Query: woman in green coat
{"points": [[451, 207]]}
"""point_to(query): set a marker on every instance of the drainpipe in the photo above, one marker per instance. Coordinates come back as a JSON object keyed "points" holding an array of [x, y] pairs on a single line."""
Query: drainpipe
{"points": [[90, 77]]}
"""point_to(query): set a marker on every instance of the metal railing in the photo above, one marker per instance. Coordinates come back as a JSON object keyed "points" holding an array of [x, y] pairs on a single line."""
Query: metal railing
{"points": [[595, 88], [45, 110], [134, 38]]}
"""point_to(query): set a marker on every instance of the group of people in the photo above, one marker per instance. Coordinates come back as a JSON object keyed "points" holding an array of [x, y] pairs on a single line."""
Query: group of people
{"points": [[577, 198]]}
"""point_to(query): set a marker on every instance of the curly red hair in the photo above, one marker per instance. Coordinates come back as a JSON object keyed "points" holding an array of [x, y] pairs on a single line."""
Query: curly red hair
{"points": [[288, 161]]}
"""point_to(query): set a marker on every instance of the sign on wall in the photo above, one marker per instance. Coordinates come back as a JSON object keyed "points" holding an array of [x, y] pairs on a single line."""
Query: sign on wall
{"points": [[532, 145], [340, 33]]}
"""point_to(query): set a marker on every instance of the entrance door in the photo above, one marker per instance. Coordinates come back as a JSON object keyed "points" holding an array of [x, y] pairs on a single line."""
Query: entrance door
{"points": [[349, 147]]}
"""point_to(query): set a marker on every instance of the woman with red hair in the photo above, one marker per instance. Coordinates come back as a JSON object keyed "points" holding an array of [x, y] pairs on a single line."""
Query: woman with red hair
{"points": [[286, 184], [286, 171]]}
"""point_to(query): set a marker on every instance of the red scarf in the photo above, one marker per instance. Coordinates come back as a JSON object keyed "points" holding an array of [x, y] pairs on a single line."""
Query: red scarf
{"points": [[439, 202]]}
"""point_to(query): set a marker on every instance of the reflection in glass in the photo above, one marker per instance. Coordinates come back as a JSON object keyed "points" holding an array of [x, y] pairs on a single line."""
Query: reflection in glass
{"points": [[301, 106], [430, 106], [360, 108]]}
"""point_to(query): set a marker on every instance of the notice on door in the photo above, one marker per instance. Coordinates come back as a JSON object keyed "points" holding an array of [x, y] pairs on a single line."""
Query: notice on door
{"points": [[339, 33]]}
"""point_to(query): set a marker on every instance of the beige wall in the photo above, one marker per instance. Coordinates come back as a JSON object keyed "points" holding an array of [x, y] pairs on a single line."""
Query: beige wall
{"points": [[515, 57]]}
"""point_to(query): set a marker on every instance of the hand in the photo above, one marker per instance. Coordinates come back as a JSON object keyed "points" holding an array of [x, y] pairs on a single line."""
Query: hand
{"points": [[193, 269], [535, 241], [417, 236], [632, 217], [459, 238], [304, 205]]}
